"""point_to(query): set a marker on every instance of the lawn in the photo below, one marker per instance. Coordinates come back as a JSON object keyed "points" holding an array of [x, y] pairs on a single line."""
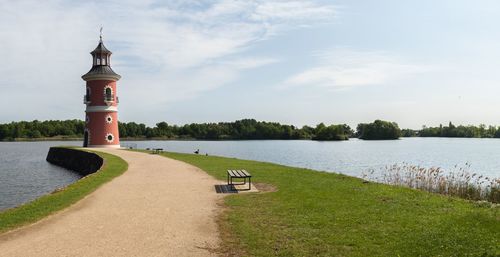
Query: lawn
{"points": [[322, 214], [60, 199]]}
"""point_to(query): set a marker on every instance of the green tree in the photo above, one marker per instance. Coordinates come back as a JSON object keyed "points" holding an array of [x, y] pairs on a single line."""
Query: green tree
{"points": [[378, 130], [332, 132]]}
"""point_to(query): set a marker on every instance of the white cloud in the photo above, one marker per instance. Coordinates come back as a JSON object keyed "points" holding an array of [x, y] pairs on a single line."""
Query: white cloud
{"points": [[340, 68], [251, 62], [293, 10], [177, 48]]}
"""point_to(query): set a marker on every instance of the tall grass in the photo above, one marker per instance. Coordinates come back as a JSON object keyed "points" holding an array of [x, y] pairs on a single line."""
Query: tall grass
{"points": [[459, 181]]}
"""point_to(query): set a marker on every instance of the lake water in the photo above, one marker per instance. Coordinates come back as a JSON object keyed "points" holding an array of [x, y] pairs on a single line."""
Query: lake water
{"points": [[25, 175], [355, 156]]}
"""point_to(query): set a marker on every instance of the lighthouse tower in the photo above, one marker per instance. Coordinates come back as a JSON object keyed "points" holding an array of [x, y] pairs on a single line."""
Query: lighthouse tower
{"points": [[101, 114]]}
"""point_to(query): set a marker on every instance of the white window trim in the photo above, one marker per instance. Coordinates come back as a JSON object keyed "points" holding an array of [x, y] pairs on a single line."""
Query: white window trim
{"points": [[112, 138], [112, 93], [106, 87]]}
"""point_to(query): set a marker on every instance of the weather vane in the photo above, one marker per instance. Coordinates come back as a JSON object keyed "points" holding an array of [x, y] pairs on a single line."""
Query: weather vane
{"points": [[100, 33]]}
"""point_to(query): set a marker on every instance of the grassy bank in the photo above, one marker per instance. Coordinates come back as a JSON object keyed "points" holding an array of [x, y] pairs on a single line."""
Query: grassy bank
{"points": [[45, 205], [321, 214]]}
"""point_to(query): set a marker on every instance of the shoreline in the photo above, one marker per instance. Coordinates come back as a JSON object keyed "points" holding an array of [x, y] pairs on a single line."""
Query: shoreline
{"points": [[140, 139], [367, 218], [59, 199], [51, 139], [159, 207]]}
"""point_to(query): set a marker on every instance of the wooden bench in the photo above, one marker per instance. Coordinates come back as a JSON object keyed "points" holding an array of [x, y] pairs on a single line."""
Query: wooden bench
{"points": [[157, 150], [239, 174]]}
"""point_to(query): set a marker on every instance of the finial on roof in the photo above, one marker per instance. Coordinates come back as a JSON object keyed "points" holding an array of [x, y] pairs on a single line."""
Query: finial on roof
{"points": [[100, 35]]}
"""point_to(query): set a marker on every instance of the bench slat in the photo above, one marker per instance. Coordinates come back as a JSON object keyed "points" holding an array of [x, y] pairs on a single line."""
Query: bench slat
{"points": [[239, 173], [246, 173], [234, 174]]}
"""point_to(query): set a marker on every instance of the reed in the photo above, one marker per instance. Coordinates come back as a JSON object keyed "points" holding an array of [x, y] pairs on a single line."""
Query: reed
{"points": [[460, 181]]}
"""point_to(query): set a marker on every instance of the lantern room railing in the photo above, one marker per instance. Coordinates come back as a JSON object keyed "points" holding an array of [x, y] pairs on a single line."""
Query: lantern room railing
{"points": [[109, 98]]}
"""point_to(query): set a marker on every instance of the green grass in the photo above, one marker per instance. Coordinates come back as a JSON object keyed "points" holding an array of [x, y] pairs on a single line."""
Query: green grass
{"points": [[322, 214], [48, 204]]}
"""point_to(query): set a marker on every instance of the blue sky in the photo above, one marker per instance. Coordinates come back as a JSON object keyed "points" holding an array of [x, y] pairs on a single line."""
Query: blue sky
{"points": [[295, 62]]}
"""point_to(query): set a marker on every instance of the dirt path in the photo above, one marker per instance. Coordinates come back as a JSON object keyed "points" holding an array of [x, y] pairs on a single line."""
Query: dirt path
{"points": [[159, 207]]}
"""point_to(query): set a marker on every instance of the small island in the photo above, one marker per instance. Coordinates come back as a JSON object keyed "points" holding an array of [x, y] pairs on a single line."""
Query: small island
{"points": [[378, 130]]}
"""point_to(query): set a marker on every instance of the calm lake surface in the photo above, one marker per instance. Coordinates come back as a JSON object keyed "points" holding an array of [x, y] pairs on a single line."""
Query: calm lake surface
{"points": [[25, 175], [355, 156]]}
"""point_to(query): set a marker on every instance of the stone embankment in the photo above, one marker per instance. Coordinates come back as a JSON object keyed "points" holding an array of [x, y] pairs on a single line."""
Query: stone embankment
{"points": [[84, 163]]}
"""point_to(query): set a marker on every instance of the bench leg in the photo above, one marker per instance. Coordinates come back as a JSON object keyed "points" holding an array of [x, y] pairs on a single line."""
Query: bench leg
{"points": [[250, 183]]}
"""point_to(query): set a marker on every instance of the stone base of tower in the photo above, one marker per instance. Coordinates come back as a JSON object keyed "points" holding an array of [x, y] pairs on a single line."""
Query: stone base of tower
{"points": [[104, 146]]}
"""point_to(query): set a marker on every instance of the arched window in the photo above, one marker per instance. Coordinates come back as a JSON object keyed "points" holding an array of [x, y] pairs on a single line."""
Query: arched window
{"points": [[108, 94], [103, 61], [87, 96]]}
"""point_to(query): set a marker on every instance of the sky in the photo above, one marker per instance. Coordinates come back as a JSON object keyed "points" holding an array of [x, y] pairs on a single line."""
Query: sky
{"points": [[416, 63]]}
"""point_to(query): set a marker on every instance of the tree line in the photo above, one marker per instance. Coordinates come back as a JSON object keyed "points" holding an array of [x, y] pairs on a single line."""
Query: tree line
{"points": [[41, 129], [481, 131], [246, 129]]}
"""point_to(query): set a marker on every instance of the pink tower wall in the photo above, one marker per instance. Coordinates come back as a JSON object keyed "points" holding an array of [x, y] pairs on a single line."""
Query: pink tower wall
{"points": [[96, 122]]}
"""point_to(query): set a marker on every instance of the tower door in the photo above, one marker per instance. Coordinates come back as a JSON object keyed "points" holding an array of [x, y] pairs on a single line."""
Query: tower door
{"points": [[86, 139]]}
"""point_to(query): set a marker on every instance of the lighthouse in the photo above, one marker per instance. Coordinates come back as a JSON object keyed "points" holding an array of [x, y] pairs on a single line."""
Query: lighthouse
{"points": [[101, 100]]}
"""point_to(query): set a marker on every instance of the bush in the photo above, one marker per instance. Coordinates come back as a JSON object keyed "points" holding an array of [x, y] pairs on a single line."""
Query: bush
{"points": [[378, 130], [332, 132]]}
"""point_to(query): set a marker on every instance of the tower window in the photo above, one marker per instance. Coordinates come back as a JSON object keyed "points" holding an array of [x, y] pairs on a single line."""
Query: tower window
{"points": [[108, 93], [103, 61], [110, 138], [86, 98], [98, 61]]}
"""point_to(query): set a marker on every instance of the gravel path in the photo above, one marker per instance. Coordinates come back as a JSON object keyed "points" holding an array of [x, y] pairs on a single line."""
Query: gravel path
{"points": [[159, 207]]}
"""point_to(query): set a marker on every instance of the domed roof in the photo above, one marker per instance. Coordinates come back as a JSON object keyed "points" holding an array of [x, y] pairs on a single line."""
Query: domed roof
{"points": [[101, 48], [101, 68], [101, 72]]}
